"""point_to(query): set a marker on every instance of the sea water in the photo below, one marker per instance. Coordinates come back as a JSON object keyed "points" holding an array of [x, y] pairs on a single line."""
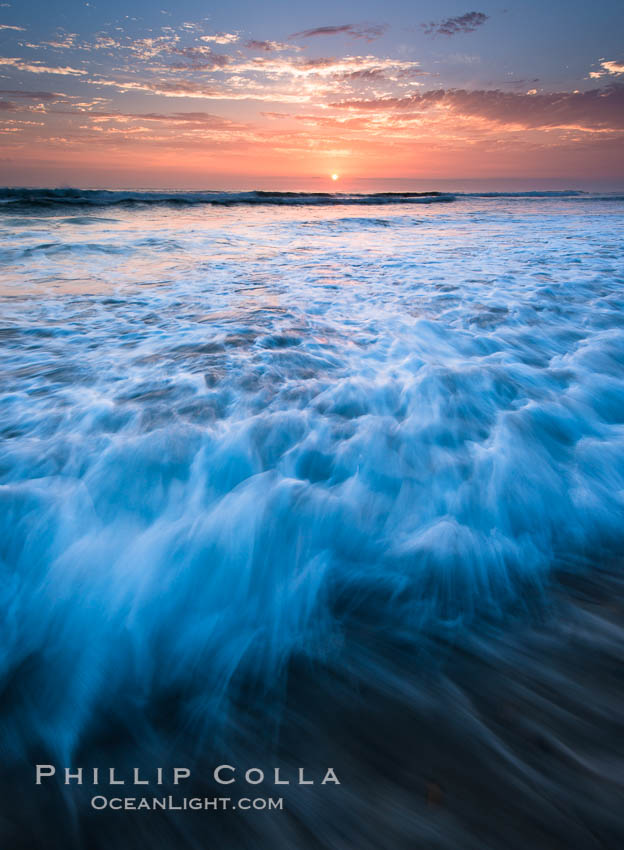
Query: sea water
{"points": [[260, 447]]}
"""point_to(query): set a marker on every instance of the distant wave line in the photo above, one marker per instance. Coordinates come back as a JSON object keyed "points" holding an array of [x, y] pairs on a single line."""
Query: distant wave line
{"points": [[12, 197], [90, 197]]}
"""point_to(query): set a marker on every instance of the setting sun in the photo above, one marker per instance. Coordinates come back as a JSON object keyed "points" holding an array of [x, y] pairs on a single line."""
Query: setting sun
{"points": [[334, 177]]}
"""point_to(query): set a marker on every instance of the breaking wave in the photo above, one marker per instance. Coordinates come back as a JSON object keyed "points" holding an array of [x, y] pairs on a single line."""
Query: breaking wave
{"points": [[104, 198], [17, 197]]}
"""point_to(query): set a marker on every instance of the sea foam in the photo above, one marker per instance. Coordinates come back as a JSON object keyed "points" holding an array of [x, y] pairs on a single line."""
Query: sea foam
{"points": [[231, 445]]}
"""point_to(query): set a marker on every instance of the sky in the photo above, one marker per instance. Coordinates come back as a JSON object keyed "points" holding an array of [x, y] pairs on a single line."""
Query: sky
{"points": [[285, 94]]}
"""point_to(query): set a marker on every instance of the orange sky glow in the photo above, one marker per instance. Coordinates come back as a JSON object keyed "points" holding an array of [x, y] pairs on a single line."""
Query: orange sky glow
{"points": [[190, 105]]}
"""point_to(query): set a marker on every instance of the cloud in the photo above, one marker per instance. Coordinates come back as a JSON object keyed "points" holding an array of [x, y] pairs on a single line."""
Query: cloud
{"points": [[220, 38], [9, 27], [613, 67], [201, 58], [324, 66], [453, 26], [269, 77], [202, 118], [597, 109], [32, 95], [35, 67], [369, 32], [607, 67], [191, 89], [63, 41], [105, 42], [199, 119], [269, 46]]}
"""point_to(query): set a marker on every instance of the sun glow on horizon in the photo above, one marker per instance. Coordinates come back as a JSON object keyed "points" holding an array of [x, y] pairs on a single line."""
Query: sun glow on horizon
{"points": [[278, 108]]}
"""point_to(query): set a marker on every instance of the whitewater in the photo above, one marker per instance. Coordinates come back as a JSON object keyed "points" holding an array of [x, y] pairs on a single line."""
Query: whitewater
{"points": [[330, 479]]}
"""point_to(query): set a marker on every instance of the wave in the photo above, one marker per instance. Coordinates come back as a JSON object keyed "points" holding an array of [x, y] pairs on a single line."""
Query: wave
{"points": [[568, 194], [554, 193], [273, 497], [105, 198], [20, 197]]}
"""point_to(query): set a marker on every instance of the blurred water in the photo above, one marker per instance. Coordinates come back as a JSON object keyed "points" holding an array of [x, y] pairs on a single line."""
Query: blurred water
{"points": [[243, 446]]}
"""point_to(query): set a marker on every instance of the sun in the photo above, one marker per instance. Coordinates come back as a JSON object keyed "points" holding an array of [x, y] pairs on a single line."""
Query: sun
{"points": [[334, 176]]}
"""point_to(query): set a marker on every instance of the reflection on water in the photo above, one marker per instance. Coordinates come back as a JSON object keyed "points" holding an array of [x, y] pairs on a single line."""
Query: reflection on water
{"points": [[292, 485]]}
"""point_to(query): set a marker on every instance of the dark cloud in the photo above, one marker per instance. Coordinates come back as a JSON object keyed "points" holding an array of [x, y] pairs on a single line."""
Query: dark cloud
{"points": [[269, 46], [595, 109], [32, 95], [254, 44], [529, 82], [201, 58], [366, 74], [369, 32], [460, 24], [318, 62]]}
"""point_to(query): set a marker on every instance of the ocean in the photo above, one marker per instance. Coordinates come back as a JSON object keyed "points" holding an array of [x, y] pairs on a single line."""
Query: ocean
{"points": [[315, 480]]}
